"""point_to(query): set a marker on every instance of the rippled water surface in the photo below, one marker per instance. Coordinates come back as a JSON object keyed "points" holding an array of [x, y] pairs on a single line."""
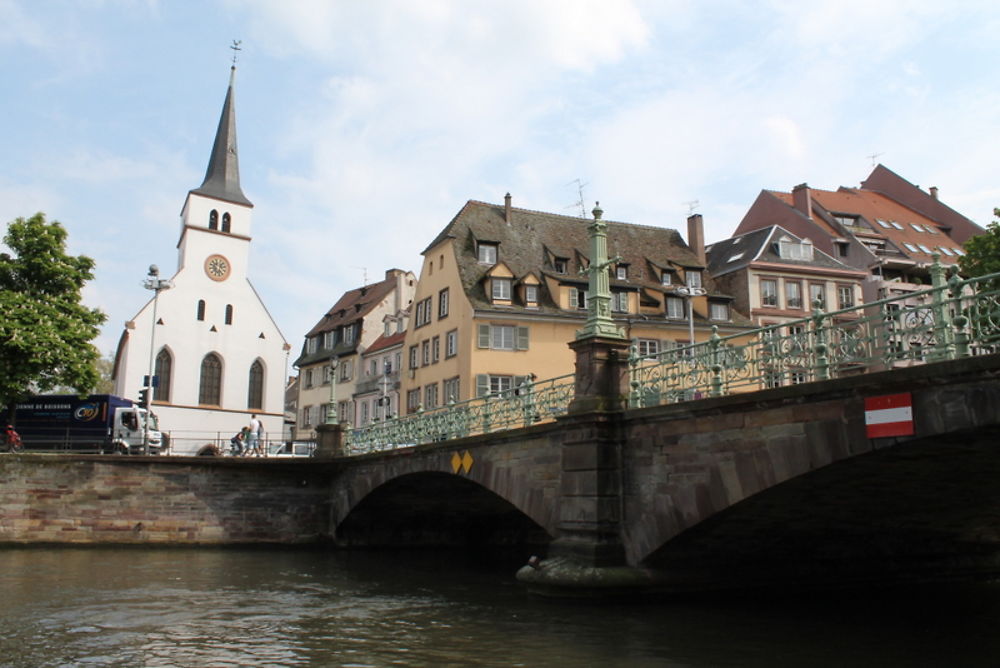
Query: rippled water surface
{"points": [[179, 607]]}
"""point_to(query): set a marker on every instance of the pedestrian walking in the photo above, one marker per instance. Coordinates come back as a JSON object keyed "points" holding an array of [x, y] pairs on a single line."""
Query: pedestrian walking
{"points": [[253, 444]]}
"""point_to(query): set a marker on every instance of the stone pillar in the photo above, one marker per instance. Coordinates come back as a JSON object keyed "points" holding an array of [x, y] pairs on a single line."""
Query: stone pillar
{"points": [[587, 558], [330, 441]]}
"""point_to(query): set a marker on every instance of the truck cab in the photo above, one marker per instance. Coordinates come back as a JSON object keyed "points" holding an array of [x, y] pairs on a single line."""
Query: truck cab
{"points": [[127, 431]]}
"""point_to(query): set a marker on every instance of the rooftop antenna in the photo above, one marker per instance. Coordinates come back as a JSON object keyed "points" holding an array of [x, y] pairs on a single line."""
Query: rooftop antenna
{"points": [[364, 273], [236, 49], [691, 205], [579, 203], [873, 156]]}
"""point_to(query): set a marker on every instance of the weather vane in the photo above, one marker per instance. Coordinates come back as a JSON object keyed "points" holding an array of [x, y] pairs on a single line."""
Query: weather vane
{"points": [[236, 49]]}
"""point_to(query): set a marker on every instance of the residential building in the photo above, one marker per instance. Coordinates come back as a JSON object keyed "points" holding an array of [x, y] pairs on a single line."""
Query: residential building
{"points": [[336, 343], [219, 356], [502, 293], [376, 395], [776, 277], [887, 228]]}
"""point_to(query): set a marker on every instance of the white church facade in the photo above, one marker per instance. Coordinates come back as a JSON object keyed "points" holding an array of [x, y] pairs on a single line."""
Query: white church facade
{"points": [[219, 357]]}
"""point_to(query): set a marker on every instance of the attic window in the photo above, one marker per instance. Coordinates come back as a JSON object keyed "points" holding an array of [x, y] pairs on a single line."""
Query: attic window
{"points": [[487, 253], [501, 289], [734, 258], [910, 247], [882, 223], [665, 278], [895, 225], [924, 248], [918, 228], [945, 250], [795, 250], [930, 229], [621, 272], [844, 219], [560, 265], [693, 278]]}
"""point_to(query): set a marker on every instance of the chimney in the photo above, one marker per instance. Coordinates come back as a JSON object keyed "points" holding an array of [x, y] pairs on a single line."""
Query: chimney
{"points": [[506, 208], [933, 190], [696, 236], [802, 200]]}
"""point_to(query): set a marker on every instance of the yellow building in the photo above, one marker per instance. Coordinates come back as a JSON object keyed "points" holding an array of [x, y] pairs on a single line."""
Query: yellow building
{"points": [[501, 294]]}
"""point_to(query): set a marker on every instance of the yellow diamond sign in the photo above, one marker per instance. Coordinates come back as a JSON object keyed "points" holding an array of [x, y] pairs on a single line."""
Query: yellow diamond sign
{"points": [[456, 462], [463, 462], [466, 461]]}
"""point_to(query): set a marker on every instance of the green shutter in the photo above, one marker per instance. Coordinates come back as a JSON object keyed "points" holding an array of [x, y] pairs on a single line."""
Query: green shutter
{"points": [[522, 338], [482, 384], [484, 336]]}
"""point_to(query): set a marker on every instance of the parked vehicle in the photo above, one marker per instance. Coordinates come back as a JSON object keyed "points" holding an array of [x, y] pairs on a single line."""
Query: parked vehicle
{"points": [[100, 423]]}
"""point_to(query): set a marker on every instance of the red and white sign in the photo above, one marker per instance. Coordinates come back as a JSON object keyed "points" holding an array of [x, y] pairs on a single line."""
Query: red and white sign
{"points": [[889, 415]]}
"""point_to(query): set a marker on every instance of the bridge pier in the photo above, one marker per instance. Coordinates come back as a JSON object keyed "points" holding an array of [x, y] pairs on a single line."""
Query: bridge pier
{"points": [[587, 557]]}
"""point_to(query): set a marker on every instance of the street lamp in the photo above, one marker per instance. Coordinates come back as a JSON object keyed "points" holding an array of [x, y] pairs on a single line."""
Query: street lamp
{"points": [[156, 284], [331, 410], [689, 293]]}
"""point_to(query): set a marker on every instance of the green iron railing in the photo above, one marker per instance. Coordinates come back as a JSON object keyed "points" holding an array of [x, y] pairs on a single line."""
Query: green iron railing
{"points": [[529, 403], [954, 318]]}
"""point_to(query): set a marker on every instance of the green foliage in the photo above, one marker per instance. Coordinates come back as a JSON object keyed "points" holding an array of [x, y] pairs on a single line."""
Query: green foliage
{"points": [[982, 253], [45, 332]]}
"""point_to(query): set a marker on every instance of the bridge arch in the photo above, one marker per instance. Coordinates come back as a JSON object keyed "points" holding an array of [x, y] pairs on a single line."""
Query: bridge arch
{"points": [[434, 508]]}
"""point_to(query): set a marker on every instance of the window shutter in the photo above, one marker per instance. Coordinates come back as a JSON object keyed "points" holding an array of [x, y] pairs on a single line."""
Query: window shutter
{"points": [[522, 338], [484, 336], [482, 384]]}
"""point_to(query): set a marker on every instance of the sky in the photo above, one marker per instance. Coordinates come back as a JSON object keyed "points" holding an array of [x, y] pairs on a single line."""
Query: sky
{"points": [[364, 127]]}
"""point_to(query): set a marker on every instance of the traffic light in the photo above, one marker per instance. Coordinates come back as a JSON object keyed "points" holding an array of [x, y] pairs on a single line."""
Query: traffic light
{"points": [[144, 397]]}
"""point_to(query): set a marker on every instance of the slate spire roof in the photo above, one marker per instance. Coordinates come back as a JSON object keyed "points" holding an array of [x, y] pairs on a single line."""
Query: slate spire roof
{"points": [[222, 178]]}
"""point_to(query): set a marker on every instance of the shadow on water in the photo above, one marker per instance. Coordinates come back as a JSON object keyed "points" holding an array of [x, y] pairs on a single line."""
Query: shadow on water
{"points": [[282, 607]]}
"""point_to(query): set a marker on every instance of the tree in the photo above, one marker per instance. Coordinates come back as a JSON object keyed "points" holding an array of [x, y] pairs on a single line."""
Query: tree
{"points": [[45, 330], [982, 252]]}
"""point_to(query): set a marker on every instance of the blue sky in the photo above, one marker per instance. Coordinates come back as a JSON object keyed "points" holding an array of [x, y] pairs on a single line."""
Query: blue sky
{"points": [[364, 126]]}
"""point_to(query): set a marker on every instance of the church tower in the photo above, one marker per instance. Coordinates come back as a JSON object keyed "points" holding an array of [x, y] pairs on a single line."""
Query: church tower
{"points": [[218, 355]]}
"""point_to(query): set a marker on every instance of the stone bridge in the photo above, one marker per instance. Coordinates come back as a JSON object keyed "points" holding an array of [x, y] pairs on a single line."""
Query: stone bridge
{"points": [[781, 485], [778, 485]]}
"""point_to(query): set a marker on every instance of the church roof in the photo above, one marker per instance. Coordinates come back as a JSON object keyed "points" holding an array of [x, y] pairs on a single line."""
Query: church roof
{"points": [[222, 178]]}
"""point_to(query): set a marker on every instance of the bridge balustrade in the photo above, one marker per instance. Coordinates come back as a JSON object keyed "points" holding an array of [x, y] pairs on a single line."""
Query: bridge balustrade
{"points": [[951, 319]]}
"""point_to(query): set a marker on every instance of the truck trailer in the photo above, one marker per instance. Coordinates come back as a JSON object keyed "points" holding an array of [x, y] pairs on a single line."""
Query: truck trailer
{"points": [[99, 423]]}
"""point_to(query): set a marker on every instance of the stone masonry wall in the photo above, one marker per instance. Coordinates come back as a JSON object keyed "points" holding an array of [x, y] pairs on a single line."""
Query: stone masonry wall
{"points": [[54, 499]]}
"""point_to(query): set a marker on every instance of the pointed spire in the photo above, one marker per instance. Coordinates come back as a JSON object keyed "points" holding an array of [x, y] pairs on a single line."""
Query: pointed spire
{"points": [[222, 179]]}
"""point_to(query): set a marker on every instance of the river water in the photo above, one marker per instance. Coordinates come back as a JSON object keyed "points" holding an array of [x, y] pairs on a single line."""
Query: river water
{"points": [[258, 607]]}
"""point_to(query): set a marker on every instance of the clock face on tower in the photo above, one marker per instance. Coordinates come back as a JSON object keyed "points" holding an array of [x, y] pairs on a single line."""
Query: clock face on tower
{"points": [[217, 267]]}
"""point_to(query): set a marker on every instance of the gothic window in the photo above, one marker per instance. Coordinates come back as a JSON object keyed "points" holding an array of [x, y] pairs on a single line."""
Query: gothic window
{"points": [[210, 386], [164, 364], [229, 314], [255, 395], [213, 220], [201, 309], [226, 220]]}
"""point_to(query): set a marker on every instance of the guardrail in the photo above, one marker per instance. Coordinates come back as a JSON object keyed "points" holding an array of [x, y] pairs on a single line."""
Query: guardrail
{"points": [[954, 318]]}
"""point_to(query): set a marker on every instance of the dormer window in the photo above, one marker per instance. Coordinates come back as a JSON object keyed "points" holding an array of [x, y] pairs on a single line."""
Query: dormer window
{"points": [[621, 272], [795, 250], [675, 308], [665, 278], [578, 298], [560, 265], [619, 302], [693, 278], [531, 295], [349, 334], [487, 253], [718, 311], [501, 289]]}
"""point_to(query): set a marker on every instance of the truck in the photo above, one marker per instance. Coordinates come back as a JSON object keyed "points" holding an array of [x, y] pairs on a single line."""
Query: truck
{"points": [[99, 423]]}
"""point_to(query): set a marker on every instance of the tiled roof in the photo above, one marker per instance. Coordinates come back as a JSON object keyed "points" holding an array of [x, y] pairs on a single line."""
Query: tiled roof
{"points": [[761, 245], [875, 207], [383, 342], [532, 240]]}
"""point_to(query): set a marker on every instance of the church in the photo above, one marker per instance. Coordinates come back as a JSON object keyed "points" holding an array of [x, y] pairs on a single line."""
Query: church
{"points": [[219, 357]]}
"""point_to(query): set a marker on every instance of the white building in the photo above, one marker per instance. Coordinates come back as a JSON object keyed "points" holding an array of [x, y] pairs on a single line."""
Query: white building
{"points": [[219, 356]]}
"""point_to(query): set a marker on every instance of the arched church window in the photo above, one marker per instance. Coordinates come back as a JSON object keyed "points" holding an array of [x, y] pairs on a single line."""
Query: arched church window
{"points": [[226, 220], [213, 220], [229, 314], [255, 393], [210, 385], [164, 365], [201, 309]]}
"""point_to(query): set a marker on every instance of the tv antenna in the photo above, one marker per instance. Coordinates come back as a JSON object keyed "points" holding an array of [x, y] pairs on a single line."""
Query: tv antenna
{"points": [[691, 205], [873, 156], [364, 273], [579, 203]]}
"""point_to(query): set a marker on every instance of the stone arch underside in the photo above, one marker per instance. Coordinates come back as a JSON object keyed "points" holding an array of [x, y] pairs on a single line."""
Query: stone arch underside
{"points": [[435, 509], [925, 507]]}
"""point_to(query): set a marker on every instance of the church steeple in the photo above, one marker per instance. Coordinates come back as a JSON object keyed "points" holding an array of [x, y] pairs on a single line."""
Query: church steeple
{"points": [[222, 179]]}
